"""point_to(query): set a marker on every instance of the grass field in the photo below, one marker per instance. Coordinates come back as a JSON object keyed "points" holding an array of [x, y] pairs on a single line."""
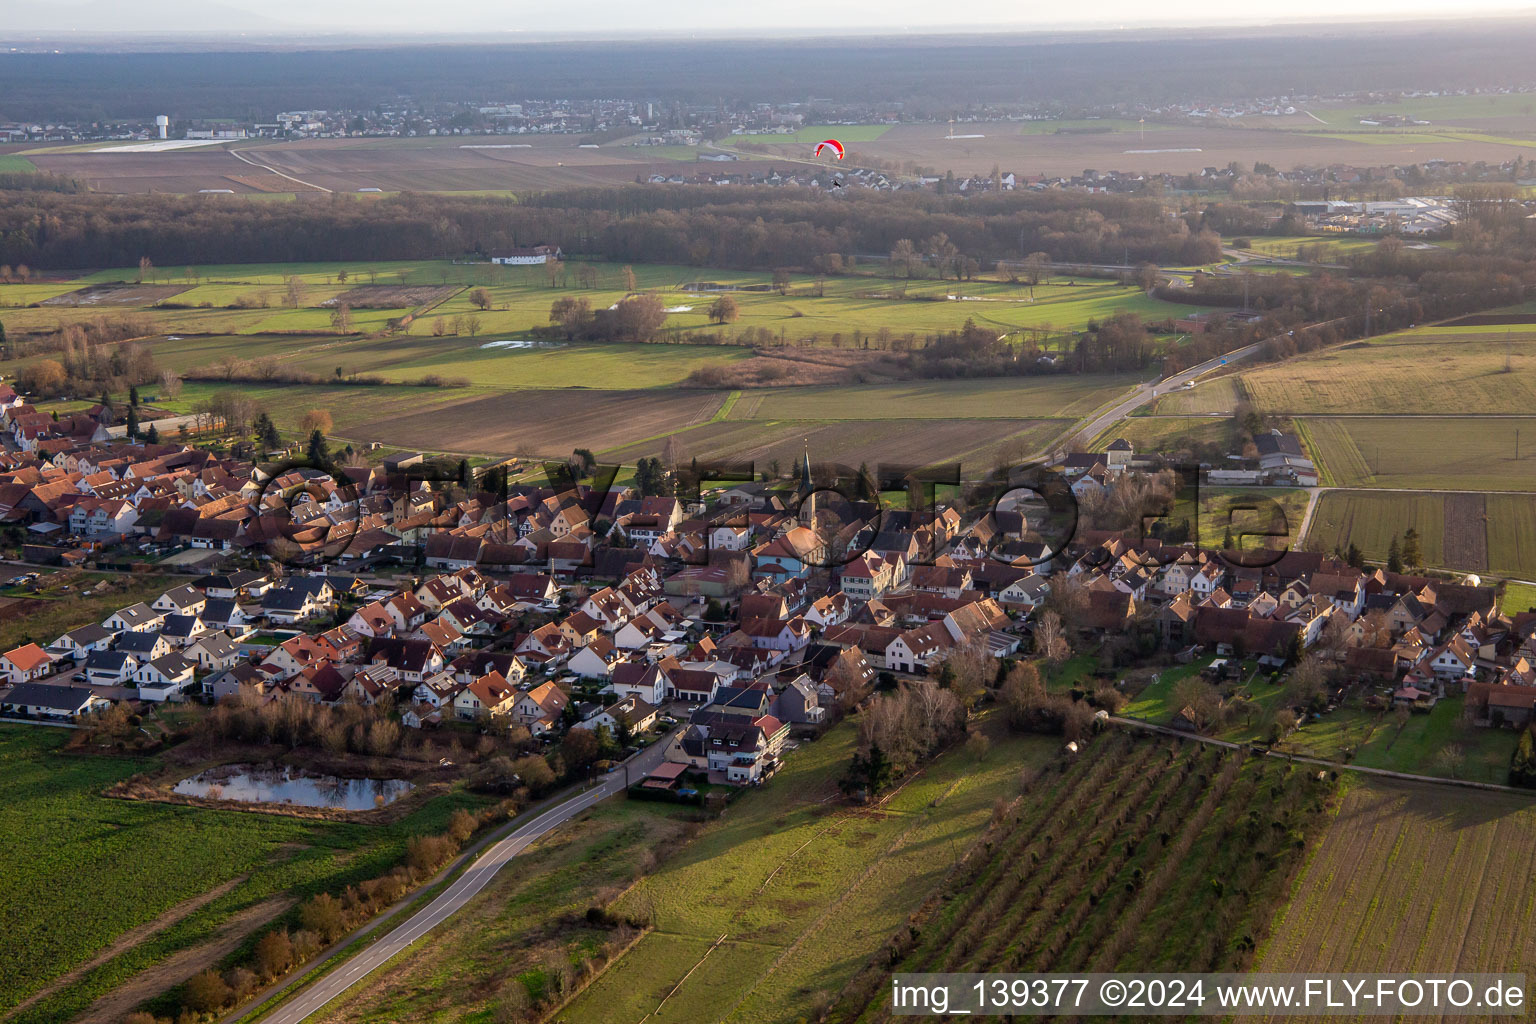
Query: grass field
{"points": [[803, 889], [1171, 433], [1375, 740], [1447, 371], [15, 163], [1261, 517], [521, 298], [82, 869], [1461, 452], [1213, 397], [1410, 878]]}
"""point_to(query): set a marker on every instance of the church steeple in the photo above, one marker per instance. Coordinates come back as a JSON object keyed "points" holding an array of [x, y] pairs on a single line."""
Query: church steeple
{"points": [[807, 489]]}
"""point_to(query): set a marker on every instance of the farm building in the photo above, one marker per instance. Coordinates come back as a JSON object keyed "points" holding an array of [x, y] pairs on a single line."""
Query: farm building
{"points": [[525, 257]]}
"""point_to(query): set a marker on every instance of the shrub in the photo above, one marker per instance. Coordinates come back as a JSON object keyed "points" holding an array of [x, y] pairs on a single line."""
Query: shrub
{"points": [[206, 992]]}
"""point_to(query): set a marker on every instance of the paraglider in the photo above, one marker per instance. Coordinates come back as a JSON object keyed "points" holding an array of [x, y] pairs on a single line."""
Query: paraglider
{"points": [[832, 144]]}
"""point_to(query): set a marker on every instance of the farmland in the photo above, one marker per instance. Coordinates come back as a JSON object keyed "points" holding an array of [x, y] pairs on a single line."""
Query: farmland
{"points": [[183, 875], [1138, 854], [1437, 370], [513, 389], [1370, 521], [1407, 880], [252, 299], [1419, 452], [803, 889], [1468, 532]]}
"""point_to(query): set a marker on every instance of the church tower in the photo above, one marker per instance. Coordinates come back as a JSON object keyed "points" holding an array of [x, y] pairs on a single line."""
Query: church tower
{"points": [[807, 490]]}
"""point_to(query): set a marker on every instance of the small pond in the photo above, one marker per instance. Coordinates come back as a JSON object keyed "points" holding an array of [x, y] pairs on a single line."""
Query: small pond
{"points": [[268, 784]]}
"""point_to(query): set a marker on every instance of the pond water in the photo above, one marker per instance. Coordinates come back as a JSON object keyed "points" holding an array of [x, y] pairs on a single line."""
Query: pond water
{"points": [[283, 785]]}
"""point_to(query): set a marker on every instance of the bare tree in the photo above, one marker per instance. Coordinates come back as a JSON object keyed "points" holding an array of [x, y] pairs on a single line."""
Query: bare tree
{"points": [[1050, 638], [295, 289]]}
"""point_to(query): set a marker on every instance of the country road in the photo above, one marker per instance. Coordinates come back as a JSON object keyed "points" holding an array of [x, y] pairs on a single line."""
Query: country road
{"points": [[475, 878], [1144, 393]]}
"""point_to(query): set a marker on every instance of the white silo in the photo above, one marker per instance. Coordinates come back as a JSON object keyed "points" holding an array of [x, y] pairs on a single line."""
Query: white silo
{"points": [[162, 125]]}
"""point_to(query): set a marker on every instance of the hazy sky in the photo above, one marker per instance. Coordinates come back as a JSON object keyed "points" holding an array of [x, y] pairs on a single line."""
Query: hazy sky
{"points": [[496, 18]]}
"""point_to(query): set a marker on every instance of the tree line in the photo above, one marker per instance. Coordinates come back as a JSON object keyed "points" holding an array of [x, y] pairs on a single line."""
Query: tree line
{"points": [[749, 228]]}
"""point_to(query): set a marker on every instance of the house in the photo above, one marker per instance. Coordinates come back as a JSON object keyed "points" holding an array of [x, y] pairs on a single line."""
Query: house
{"points": [[1452, 661], [486, 697], [647, 682], [540, 708], [144, 646], [25, 663], [110, 668], [213, 652], [289, 607], [138, 618], [235, 585], [78, 643], [182, 630], [597, 660], [739, 751], [373, 620], [870, 575], [164, 678], [226, 613], [799, 703], [182, 600], [57, 703], [629, 716]]}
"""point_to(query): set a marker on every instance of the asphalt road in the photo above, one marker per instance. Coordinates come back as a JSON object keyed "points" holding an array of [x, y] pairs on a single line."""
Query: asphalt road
{"points": [[463, 889], [1144, 393]]}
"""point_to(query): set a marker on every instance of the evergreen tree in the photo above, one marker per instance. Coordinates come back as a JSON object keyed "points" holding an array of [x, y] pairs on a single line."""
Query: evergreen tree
{"points": [[133, 423], [865, 485], [1226, 540], [465, 476], [152, 435], [55, 415], [1355, 557], [1394, 556], [106, 400], [713, 611], [2, 334], [266, 432], [867, 775], [133, 396], [1411, 554], [317, 451]]}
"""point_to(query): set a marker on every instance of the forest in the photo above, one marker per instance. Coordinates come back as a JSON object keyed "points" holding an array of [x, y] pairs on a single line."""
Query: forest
{"points": [[751, 228]]}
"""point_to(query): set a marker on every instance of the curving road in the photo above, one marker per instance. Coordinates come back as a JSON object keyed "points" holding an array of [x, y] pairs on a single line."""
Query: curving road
{"points": [[1144, 393], [475, 878]]}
